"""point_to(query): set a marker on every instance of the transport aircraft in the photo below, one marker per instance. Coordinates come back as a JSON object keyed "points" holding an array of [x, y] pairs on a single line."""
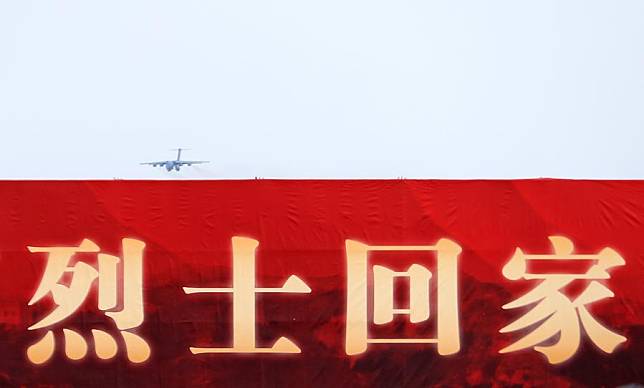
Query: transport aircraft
{"points": [[175, 164]]}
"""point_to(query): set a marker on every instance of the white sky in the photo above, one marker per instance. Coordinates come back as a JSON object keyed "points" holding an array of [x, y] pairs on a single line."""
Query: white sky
{"points": [[329, 89]]}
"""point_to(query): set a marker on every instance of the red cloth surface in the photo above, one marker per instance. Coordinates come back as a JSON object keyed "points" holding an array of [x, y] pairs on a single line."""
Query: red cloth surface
{"points": [[301, 226]]}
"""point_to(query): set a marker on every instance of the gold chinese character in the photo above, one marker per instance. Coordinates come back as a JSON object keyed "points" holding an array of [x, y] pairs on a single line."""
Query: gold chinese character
{"points": [[357, 337], [244, 290], [68, 298], [559, 314]]}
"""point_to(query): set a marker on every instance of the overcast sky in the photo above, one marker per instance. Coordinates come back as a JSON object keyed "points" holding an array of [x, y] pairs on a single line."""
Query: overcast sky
{"points": [[333, 88]]}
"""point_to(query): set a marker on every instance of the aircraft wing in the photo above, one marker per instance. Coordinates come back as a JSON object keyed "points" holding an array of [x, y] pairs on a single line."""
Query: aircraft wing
{"points": [[189, 162], [161, 163]]}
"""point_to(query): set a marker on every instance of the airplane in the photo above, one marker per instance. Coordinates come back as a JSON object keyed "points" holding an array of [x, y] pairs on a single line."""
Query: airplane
{"points": [[175, 164]]}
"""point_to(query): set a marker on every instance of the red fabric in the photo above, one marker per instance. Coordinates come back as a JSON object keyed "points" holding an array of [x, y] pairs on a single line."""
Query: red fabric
{"points": [[301, 226]]}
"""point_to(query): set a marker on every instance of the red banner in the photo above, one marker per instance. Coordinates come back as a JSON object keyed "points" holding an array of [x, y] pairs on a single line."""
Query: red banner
{"points": [[321, 283]]}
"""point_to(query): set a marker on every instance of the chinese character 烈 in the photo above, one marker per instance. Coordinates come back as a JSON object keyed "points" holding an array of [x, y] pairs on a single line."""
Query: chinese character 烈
{"points": [[69, 298]]}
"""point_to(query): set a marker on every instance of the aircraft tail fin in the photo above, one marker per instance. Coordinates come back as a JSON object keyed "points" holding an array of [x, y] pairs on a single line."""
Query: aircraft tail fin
{"points": [[178, 152]]}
